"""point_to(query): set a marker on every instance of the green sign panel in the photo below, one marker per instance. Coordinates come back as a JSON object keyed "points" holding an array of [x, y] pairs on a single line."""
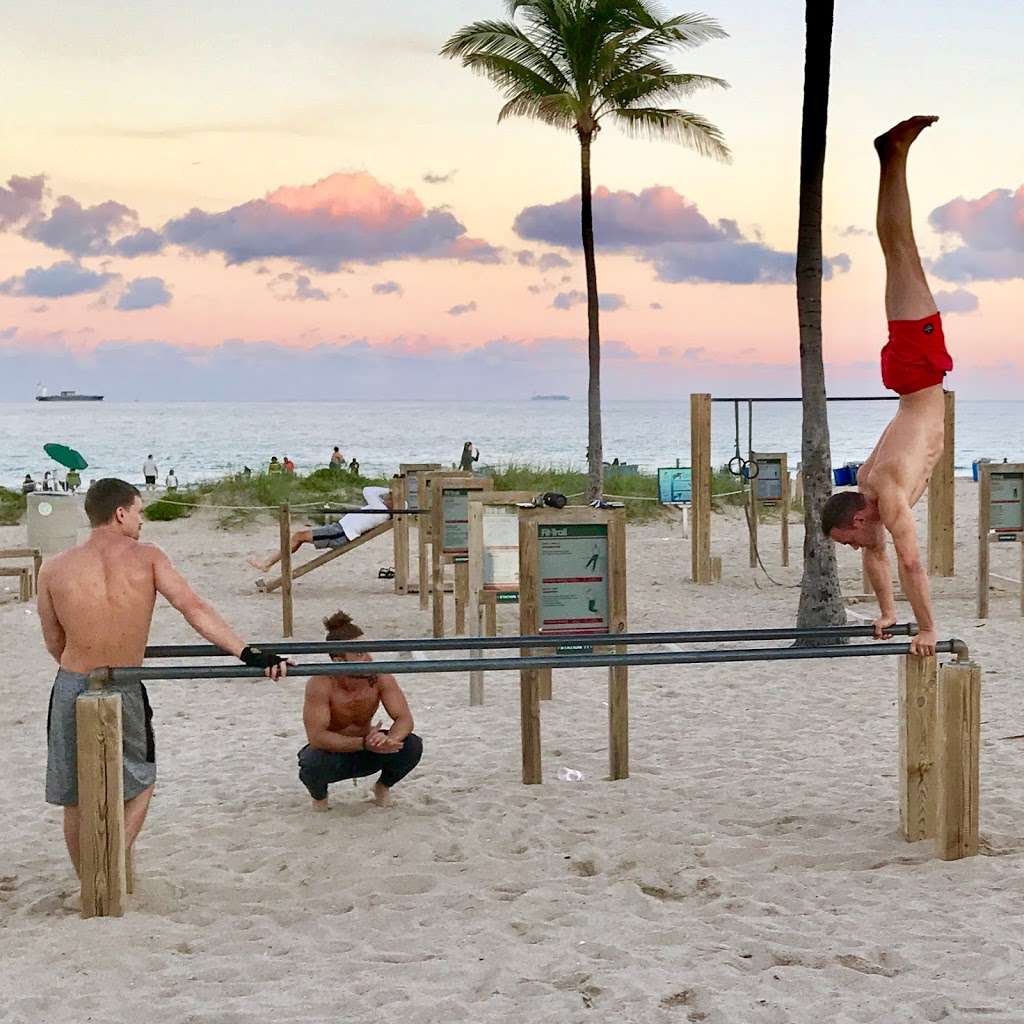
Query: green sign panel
{"points": [[574, 649], [454, 521], [573, 578], [768, 480], [1007, 501], [675, 485], [507, 597]]}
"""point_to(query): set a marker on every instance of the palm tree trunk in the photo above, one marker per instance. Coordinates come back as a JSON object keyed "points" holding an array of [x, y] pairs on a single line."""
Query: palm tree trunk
{"points": [[595, 450], [821, 602]]}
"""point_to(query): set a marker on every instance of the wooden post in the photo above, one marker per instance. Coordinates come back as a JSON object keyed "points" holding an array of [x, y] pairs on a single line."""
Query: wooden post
{"points": [[461, 596], [942, 500], [984, 526], [958, 747], [753, 514], [287, 623], [423, 538], [401, 537], [917, 782], [618, 675], [784, 510], [436, 584], [101, 804], [529, 682], [476, 676], [761, 493], [700, 470]]}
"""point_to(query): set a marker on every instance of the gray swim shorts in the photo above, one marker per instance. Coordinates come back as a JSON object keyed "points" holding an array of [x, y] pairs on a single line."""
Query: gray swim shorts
{"points": [[332, 536], [62, 738]]}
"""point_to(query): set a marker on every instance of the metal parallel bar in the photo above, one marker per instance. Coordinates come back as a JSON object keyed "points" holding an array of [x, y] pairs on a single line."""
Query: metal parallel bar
{"points": [[830, 398], [332, 668], [485, 643]]}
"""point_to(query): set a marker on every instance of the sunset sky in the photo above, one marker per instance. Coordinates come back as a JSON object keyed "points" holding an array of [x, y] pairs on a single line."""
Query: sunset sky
{"points": [[195, 188]]}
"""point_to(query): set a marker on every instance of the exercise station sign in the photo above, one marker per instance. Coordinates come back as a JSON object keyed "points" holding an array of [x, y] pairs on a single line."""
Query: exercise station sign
{"points": [[573, 578]]}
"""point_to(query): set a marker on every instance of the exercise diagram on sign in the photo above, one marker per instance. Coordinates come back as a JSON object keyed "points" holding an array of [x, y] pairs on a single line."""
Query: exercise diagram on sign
{"points": [[574, 578]]}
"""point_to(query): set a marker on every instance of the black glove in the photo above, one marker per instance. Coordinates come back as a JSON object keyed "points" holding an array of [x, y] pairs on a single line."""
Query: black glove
{"points": [[256, 657], [550, 499]]}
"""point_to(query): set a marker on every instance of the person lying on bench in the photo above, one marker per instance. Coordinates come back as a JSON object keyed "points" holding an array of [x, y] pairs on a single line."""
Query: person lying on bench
{"points": [[336, 535]]}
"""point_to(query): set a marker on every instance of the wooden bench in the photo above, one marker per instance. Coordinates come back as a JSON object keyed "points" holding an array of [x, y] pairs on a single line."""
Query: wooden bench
{"points": [[28, 576]]}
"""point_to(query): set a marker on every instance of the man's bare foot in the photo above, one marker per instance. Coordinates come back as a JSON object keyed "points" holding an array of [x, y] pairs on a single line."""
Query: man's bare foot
{"points": [[259, 563], [899, 138], [321, 805], [381, 795]]}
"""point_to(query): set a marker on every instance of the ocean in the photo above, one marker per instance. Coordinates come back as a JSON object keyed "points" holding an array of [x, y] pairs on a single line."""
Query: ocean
{"points": [[201, 440]]}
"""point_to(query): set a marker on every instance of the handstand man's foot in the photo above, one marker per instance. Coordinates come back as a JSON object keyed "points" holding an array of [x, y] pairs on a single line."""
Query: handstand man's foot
{"points": [[381, 795], [321, 805], [898, 139]]}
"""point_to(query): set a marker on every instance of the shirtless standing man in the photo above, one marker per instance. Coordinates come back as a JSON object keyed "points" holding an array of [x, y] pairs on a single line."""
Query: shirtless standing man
{"points": [[95, 607], [344, 741], [914, 363]]}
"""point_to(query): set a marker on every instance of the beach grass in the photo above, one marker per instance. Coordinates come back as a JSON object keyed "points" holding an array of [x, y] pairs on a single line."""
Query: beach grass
{"points": [[12, 506]]}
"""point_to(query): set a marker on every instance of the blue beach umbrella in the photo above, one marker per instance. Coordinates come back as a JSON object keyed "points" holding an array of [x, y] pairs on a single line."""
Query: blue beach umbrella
{"points": [[67, 457]]}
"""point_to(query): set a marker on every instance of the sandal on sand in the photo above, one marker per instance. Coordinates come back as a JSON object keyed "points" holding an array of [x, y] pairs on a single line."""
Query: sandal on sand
{"points": [[386, 573]]}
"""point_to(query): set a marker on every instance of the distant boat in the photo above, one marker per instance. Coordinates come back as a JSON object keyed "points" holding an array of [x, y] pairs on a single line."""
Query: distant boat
{"points": [[550, 398], [66, 396]]}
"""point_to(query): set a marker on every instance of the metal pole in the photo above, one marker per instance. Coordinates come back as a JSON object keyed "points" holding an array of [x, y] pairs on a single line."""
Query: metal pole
{"points": [[336, 668], [486, 643], [830, 398]]}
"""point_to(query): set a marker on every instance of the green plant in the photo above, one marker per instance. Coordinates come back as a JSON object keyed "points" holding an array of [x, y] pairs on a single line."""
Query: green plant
{"points": [[12, 506], [162, 511]]}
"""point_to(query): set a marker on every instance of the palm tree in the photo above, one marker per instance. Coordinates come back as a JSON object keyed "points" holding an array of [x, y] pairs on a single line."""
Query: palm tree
{"points": [[573, 64], [821, 602]]}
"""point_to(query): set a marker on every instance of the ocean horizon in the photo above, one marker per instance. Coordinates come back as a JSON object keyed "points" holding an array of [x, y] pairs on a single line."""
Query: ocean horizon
{"points": [[202, 440]]}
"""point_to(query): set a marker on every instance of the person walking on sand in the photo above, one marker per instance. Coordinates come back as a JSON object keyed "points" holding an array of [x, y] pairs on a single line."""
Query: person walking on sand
{"points": [[150, 473], [470, 454], [95, 608], [344, 740], [335, 535], [914, 363]]}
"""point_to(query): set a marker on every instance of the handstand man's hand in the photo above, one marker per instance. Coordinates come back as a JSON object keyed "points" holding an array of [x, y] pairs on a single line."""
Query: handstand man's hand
{"points": [[924, 642], [882, 624]]}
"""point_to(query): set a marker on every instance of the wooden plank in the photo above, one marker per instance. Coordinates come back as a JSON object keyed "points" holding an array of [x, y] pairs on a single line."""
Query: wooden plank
{"points": [[784, 510], [328, 556], [400, 534], [917, 781], [700, 470], [476, 677], [984, 526], [958, 748], [529, 679], [287, 616], [101, 804], [618, 676], [942, 499]]}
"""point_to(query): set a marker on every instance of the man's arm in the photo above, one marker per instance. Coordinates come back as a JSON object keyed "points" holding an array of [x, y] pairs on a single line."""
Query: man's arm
{"points": [[395, 704], [898, 519], [203, 617], [879, 573], [316, 717], [53, 632]]}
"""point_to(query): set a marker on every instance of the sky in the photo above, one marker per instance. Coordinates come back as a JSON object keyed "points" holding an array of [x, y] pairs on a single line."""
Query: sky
{"points": [[192, 190]]}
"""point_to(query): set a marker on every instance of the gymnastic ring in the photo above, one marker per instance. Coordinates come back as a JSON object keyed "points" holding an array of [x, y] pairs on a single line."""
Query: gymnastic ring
{"points": [[736, 464], [756, 466]]}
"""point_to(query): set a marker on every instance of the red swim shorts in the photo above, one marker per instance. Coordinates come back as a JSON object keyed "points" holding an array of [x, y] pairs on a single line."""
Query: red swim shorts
{"points": [[915, 357]]}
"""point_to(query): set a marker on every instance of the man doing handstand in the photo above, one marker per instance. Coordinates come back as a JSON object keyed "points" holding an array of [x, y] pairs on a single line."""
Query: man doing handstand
{"points": [[914, 363]]}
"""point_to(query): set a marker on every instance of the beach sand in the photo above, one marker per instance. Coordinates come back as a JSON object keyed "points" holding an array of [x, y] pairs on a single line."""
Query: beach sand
{"points": [[749, 870]]}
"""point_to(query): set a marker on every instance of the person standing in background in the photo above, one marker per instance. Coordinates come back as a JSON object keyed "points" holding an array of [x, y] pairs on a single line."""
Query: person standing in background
{"points": [[337, 459], [470, 454], [171, 483], [28, 485], [289, 466], [275, 466], [353, 466], [150, 473]]}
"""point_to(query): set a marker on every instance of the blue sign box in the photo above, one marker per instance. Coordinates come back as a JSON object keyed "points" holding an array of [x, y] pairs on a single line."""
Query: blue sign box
{"points": [[675, 485]]}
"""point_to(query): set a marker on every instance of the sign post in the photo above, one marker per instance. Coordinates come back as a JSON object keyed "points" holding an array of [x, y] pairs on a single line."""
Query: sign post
{"points": [[404, 495], [572, 580], [769, 488], [1000, 521]]}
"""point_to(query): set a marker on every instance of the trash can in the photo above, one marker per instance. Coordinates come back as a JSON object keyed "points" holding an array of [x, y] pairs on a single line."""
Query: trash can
{"points": [[974, 467], [54, 521]]}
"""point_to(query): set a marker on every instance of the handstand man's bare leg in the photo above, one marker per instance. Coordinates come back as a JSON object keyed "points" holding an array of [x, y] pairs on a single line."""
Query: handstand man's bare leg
{"points": [[299, 538], [907, 295]]}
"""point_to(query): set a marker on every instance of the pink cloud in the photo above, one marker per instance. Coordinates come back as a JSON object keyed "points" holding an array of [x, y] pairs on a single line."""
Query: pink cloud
{"points": [[355, 197]]}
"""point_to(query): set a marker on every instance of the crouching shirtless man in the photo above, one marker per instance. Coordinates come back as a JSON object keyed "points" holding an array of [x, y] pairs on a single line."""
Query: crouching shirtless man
{"points": [[338, 712], [914, 363]]}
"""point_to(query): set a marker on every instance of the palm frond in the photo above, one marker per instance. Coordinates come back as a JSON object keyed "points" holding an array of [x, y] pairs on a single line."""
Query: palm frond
{"points": [[503, 39], [559, 110], [510, 76], [690, 129], [654, 89]]}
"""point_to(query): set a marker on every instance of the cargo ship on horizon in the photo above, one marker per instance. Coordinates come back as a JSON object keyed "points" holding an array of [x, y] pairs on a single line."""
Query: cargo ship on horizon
{"points": [[65, 396]]}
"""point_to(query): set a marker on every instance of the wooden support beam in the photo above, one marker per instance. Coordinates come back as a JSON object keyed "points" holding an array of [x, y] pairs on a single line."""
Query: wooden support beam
{"points": [[700, 470], [618, 721], [101, 804], [942, 499], [328, 556], [917, 772], [287, 617], [958, 750], [401, 537]]}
